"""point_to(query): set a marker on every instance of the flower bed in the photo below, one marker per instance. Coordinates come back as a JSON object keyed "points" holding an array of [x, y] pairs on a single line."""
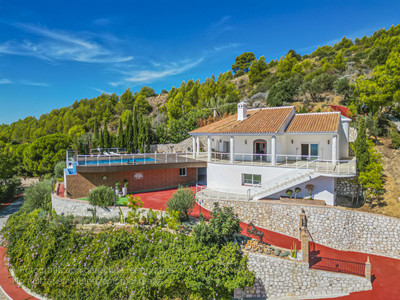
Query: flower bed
{"points": [[262, 248]]}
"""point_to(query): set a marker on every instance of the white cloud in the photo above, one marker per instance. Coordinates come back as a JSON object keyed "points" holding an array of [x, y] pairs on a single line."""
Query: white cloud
{"points": [[100, 91], [5, 81], [57, 45], [33, 83], [226, 46], [147, 76]]}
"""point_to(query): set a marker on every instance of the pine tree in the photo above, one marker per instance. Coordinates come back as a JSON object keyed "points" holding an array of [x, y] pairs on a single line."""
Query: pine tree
{"points": [[361, 146], [120, 136]]}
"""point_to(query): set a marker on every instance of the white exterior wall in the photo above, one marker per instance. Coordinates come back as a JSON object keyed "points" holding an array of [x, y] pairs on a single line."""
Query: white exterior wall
{"points": [[324, 149], [324, 189], [228, 178], [343, 140]]}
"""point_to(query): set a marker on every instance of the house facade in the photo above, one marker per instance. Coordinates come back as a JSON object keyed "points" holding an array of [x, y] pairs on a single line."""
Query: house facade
{"points": [[261, 153]]}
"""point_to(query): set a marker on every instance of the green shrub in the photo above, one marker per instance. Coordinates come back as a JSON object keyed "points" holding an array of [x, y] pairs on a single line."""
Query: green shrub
{"points": [[289, 193], [9, 188], [224, 224], [59, 169], [182, 201], [395, 136], [101, 196], [38, 196]]}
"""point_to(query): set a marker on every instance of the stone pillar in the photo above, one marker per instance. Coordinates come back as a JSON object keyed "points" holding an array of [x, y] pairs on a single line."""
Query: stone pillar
{"points": [[197, 146], [368, 269], [208, 148], [334, 149], [232, 149], [273, 150], [304, 236], [194, 147]]}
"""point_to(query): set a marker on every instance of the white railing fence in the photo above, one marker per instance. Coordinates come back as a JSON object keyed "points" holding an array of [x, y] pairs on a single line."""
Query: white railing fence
{"points": [[339, 167]]}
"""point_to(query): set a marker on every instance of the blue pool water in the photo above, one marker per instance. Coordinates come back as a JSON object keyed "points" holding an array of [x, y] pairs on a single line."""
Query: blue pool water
{"points": [[115, 161]]}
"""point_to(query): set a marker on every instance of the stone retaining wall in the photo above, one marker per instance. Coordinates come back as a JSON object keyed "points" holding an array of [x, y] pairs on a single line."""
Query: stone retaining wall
{"points": [[277, 277], [80, 208], [347, 188], [334, 227]]}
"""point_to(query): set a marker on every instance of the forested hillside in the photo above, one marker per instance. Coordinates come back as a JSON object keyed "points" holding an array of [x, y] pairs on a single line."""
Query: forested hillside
{"points": [[363, 75]]}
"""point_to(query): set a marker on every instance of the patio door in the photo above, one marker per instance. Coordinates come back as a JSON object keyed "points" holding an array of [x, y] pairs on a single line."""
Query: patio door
{"points": [[314, 151], [260, 147], [304, 151]]}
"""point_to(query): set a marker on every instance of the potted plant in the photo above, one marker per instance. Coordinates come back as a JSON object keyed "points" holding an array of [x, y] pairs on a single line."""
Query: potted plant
{"points": [[125, 188], [310, 189], [289, 193], [117, 185], [297, 190]]}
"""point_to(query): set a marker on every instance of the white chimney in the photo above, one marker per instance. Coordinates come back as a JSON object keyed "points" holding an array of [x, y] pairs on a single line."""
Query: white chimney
{"points": [[242, 111]]}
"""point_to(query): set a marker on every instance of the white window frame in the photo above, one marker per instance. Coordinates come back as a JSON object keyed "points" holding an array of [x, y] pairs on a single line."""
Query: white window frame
{"points": [[184, 173], [252, 180]]}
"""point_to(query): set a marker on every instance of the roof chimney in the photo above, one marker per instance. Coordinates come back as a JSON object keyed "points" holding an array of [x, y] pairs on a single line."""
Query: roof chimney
{"points": [[242, 111]]}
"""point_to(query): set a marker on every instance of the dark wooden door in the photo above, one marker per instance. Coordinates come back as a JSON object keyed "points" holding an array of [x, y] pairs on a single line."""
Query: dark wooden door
{"points": [[304, 151]]}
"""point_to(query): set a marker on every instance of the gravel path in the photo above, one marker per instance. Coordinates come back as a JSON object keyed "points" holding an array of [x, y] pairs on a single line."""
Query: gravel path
{"points": [[9, 210], [4, 214]]}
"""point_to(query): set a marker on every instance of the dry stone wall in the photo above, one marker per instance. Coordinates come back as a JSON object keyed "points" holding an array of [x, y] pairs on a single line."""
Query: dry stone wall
{"points": [[79, 208], [277, 277], [334, 227]]}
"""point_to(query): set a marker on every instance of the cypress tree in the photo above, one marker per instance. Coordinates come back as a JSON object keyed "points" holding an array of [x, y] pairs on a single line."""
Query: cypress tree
{"points": [[135, 128], [120, 137], [128, 134], [101, 139], [141, 133], [106, 137], [95, 141], [361, 146]]}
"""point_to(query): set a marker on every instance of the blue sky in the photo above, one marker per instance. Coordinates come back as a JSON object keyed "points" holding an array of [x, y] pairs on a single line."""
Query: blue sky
{"points": [[55, 52]]}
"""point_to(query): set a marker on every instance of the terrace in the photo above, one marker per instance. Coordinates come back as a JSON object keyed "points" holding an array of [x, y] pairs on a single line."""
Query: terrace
{"points": [[342, 168]]}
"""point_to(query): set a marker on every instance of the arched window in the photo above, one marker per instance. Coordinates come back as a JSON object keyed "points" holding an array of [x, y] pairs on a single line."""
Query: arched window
{"points": [[260, 147]]}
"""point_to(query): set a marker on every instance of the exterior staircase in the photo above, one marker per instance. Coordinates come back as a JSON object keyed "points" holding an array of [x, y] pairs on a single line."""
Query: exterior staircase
{"points": [[284, 182]]}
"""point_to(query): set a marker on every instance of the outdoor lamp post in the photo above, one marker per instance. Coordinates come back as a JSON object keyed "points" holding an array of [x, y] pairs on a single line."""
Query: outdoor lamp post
{"points": [[114, 190]]}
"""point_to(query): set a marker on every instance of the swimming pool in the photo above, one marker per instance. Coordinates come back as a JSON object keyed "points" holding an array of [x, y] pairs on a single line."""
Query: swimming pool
{"points": [[114, 161]]}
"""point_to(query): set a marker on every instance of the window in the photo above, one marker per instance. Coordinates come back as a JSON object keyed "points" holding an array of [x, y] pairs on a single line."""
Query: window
{"points": [[251, 179], [182, 172]]}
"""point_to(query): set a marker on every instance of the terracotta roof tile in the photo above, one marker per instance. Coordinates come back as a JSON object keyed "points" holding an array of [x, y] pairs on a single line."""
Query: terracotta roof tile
{"points": [[314, 122], [267, 120]]}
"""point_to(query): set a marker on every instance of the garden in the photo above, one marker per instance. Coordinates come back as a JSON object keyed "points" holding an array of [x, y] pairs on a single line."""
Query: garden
{"points": [[158, 255]]}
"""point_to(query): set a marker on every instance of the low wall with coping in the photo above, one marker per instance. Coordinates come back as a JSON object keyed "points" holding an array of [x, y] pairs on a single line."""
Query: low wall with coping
{"points": [[79, 208], [330, 226], [277, 277]]}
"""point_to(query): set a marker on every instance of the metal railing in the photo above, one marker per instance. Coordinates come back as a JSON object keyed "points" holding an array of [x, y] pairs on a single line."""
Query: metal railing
{"points": [[134, 159], [337, 265], [339, 167]]}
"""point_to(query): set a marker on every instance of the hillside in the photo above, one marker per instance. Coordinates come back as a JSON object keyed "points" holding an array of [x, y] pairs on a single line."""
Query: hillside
{"points": [[360, 74]]}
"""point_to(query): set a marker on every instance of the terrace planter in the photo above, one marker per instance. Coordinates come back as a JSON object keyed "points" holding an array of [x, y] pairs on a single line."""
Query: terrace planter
{"points": [[288, 200]]}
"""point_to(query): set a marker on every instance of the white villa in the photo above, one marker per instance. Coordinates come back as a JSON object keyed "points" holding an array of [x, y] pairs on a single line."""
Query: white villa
{"points": [[260, 153]]}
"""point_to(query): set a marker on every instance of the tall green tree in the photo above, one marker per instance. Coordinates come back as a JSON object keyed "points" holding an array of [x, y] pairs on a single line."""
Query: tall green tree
{"points": [[41, 156], [258, 70], [121, 135], [361, 146], [243, 62]]}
